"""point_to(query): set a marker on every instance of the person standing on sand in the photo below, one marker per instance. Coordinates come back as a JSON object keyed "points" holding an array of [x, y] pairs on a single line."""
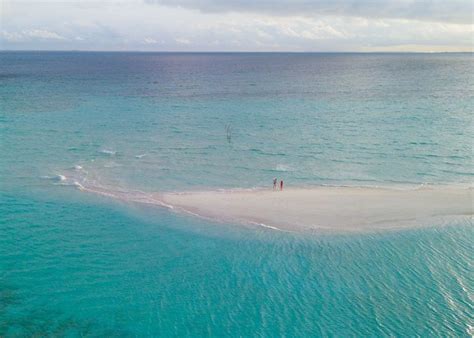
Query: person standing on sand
{"points": [[281, 185], [274, 183]]}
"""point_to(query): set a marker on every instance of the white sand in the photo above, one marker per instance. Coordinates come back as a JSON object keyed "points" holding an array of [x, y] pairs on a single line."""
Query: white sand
{"points": [[328, 208]]}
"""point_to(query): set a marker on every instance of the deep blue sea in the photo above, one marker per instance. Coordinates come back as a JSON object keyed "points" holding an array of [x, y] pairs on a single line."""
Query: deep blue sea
{"points": [[73, 263]]}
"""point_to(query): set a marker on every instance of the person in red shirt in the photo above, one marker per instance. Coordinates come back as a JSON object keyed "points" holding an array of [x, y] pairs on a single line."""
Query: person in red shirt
{"points": [[281, 185]]}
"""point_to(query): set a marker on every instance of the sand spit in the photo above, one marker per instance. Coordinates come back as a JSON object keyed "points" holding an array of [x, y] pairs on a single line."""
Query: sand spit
{"points": [[327, 208]]}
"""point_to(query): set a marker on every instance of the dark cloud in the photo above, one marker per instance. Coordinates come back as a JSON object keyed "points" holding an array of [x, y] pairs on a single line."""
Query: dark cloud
{"points": [[452, 11]]}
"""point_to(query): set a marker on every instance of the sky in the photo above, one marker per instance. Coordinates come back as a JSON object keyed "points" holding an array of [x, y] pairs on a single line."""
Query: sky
{"points": [[238, 25]]}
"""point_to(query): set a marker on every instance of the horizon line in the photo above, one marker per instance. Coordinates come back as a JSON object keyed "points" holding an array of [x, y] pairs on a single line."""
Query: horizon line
{"points": [[232, 52]]}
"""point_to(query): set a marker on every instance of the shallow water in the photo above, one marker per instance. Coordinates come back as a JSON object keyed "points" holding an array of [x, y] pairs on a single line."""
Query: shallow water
{"points": [[78, 263]]}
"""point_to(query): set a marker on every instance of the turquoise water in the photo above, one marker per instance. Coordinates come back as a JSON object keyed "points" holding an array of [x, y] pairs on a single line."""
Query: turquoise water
{"points": [[73, 263]]}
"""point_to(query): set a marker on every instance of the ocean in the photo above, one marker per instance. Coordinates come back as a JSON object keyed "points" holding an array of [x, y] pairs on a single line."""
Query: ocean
{"points": [[75, 263]]}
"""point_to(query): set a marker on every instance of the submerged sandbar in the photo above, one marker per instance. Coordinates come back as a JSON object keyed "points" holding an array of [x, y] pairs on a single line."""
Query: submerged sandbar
{"points": [[328, 208]]}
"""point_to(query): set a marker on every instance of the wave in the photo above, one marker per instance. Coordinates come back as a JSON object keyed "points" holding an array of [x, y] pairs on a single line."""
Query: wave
{"points": [[283, 167], [112, 164], [108, 152], [267, 226], [81, 180], [277, 168], [57, 177], [263, 152]]}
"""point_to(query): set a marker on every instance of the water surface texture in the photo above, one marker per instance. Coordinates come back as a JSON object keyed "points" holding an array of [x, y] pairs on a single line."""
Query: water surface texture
{"points": [[76, 263]]}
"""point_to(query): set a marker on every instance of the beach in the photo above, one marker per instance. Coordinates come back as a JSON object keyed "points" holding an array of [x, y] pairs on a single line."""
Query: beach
{"points": [[327, 208]]}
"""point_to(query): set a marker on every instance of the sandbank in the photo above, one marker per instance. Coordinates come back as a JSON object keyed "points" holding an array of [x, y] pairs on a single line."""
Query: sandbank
{"points": [[327, 208]]}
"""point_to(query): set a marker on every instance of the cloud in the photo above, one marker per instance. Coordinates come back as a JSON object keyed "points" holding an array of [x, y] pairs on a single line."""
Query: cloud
{"points": [[182, 41], [231, 26], [42, 34], [453, 11], [149, 41], [30, 34]]}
